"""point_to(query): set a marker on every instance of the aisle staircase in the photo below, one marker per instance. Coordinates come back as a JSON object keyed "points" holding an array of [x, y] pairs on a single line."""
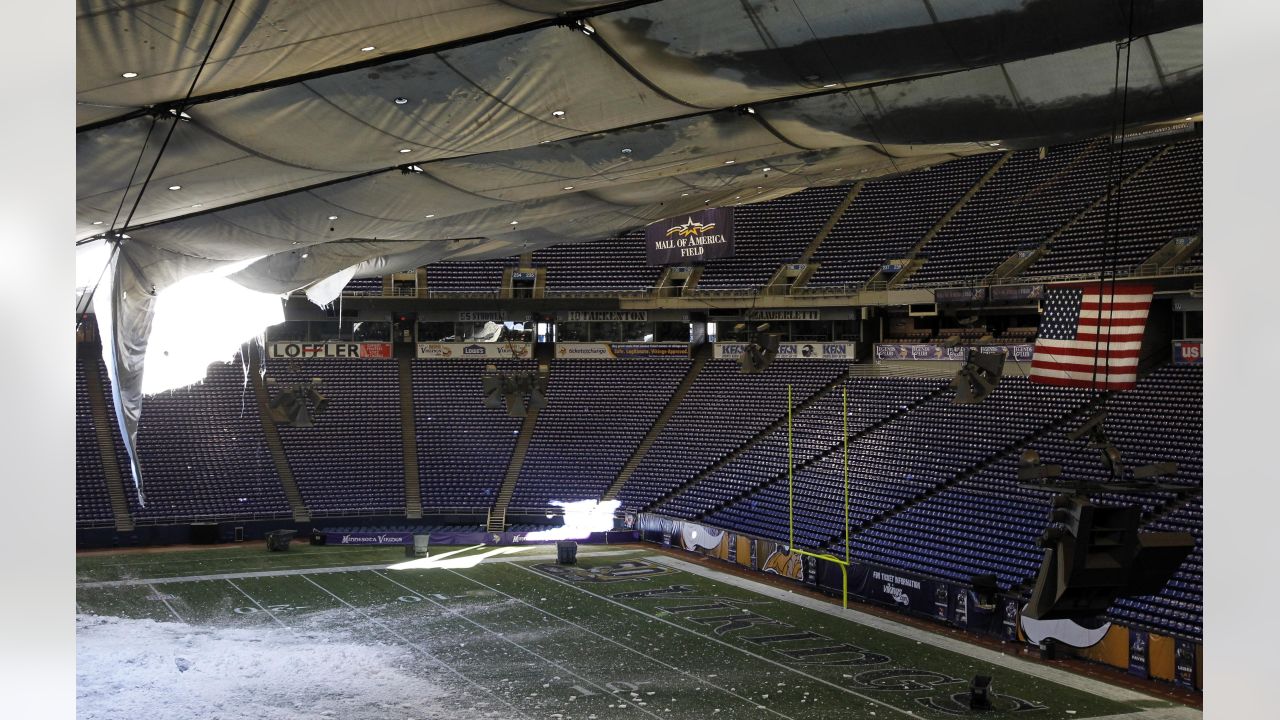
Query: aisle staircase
{"points": [[409, 435], [107, 448], [701, 355], [290, 486], [497, 521]]}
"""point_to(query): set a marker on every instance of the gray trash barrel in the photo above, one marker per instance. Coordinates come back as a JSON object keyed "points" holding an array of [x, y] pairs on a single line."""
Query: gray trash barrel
{"points": [[566, 552]]}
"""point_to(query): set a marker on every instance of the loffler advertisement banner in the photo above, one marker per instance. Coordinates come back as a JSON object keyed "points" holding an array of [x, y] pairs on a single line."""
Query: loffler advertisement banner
{"points": [[302, 350]]}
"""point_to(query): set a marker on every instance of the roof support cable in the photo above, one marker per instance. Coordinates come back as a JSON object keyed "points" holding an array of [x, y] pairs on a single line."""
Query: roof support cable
{"points": [[178, 112], [1111, 219]]}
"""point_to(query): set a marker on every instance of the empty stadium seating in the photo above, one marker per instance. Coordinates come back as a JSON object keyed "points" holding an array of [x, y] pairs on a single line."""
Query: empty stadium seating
{"points": [[463, 447], [890, 216], [1020, 207], [471, 278], [352, 461], [204, 455], [722, 410], [617, 264], [93, 503], [770, 234], [1160, 203], [597, 412]]}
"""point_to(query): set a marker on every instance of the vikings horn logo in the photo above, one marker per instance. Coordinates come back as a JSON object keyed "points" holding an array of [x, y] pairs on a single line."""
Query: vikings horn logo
{"points": [[690, 228], [1076, 633], [784, 564]]}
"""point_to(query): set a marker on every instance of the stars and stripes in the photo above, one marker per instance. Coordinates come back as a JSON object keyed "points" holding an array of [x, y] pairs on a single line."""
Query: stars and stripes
{"points": [[1091, 335]]}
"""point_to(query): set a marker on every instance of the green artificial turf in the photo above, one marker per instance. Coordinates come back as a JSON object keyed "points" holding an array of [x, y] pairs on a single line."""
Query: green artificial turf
{"points": [[612, 636]]}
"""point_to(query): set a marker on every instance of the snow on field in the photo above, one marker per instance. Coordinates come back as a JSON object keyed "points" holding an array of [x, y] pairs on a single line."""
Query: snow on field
{"points": [[129, 668]]}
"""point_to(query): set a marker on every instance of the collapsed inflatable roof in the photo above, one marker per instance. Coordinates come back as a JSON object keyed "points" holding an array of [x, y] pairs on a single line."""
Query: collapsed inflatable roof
{"points": [[285, 142]]}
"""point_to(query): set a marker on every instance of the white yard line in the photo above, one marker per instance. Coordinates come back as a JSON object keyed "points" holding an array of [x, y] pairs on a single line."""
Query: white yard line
{"points": [[423, 651], [228, 576], [261, 607], [604, 690], [164, 600], [624, 646], [1044, 672], [731, 646], [547, 554]]}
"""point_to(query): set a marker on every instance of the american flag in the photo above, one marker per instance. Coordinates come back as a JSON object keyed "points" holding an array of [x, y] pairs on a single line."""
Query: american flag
{"points": [[1091, 335]]}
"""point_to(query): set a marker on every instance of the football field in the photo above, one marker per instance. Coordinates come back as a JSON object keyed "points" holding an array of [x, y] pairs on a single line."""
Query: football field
{"points": [[320, 632]]}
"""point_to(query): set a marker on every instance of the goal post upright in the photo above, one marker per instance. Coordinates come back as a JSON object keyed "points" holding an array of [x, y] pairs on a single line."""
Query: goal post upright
{"points": [[791, 513]]}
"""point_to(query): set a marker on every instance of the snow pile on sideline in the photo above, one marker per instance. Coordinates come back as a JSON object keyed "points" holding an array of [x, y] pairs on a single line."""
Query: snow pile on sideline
{"points": [[129, 668]]}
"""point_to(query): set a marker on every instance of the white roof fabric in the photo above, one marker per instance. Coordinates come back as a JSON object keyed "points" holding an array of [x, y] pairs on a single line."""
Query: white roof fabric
{"points": [[518, 124]]}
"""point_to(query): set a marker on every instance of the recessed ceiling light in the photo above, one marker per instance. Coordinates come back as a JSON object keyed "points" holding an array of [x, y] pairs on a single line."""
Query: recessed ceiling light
{"points": [[401, 100], [175, 187], [684, 194], [198, 205], [557, 113], [515, 222], [306, 255], [728, 162], [130, 75], [333, 217], [429, 216], [766, 169], [405, 150], [295, 242], [97, 222], [568, 187], [626, 151], [829, 85], [368, 48], [737, 197]]}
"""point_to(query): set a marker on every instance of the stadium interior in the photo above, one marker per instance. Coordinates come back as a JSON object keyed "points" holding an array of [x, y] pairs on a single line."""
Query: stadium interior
{"points": [[426, 269]]}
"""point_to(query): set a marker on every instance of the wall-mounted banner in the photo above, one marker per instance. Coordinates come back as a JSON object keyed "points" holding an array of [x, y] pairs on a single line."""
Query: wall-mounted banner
{"points": [[602, 315], [1009, 619], [613, 351], [1184, 662], [693, 237], [793, 351], [1139, 642], [1017, 292], [770, 315], [482, 316], [929, 351], [1188, 352], [330, 350], [960, 295], [368, 538], [473, 351]]}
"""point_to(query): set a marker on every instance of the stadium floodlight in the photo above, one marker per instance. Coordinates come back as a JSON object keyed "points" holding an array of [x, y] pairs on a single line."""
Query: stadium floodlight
{"points": [[980, 693], [1094, 554], [520, 391], [978, 377], [759, 354], [290, 405], [1155, 470], [1089, 426], [1030, 467]]}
